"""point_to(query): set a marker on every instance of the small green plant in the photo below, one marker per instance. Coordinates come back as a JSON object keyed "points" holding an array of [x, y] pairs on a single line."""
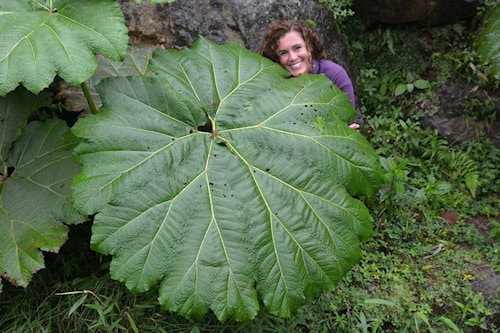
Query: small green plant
{"points": [[396, 180], [479, 108], [461, 166], [341, 9], [411, 84], [495, 230], [474, 313], [373, 325], [103, 309]]}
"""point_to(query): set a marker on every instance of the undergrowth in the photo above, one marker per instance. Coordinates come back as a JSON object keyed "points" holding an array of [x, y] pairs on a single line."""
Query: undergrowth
{"points": [[437, 229]]}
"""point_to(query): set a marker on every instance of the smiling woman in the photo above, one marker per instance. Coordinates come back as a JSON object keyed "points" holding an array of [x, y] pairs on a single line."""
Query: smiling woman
{"points": [[297, 47]]}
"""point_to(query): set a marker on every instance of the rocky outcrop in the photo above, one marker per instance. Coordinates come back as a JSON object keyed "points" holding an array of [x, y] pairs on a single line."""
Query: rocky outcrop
{"points": [[180, 23], [427, 12], [453, 112]]}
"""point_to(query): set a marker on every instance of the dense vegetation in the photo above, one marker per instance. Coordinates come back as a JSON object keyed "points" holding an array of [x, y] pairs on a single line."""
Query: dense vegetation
{"points": [[436, 222]]}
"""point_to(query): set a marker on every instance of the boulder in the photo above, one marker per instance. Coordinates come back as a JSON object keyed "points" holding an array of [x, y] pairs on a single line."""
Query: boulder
{"points": [[179, 24], [449, 112]]}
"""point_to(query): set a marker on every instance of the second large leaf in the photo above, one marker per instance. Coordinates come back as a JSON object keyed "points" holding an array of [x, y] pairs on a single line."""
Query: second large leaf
{"points": [[226, 182], [43, 38]]}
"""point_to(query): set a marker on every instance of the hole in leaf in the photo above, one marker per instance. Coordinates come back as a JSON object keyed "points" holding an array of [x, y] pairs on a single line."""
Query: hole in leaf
{"points": [[10, 171], [207, 127]]}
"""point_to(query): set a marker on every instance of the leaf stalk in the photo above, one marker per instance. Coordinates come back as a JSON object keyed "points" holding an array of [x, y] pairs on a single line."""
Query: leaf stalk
{"points": [[88, 97], [5, 173]]}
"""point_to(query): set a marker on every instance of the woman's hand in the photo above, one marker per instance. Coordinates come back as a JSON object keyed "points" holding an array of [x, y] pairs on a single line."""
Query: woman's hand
{"points": [[354, 125]]}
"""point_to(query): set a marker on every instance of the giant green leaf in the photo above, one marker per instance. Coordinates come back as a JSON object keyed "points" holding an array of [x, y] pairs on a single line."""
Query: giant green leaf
{"points": [[35, 198], [15, 110], [225, 181], [488, 42], [43, 38], [136, 62]]}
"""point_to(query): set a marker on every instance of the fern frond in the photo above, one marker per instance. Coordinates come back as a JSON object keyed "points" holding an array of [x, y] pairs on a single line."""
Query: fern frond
{"points": [[461, 166]]}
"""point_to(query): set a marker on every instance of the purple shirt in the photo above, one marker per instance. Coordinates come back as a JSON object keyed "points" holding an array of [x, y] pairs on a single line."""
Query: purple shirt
{"points": [[337, 74]]}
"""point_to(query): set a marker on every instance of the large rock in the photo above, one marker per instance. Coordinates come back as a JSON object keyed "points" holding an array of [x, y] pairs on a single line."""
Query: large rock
{"points": [[180, 23], [449, 112], [434, 12]]}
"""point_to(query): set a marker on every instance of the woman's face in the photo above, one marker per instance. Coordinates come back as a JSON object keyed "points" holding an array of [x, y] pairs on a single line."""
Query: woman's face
{"points": [[293, 54]]}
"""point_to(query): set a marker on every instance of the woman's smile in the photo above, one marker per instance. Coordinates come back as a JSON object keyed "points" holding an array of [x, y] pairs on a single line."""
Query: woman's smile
{"points": [[293, 54]]}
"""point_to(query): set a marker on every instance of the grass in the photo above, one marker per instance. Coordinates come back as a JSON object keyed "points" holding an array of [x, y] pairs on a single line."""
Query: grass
{"points": [[437, 222]]}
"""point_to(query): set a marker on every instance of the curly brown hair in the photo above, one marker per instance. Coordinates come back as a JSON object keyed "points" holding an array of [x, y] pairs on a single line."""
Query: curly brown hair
{"points": [[269, 47]]}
